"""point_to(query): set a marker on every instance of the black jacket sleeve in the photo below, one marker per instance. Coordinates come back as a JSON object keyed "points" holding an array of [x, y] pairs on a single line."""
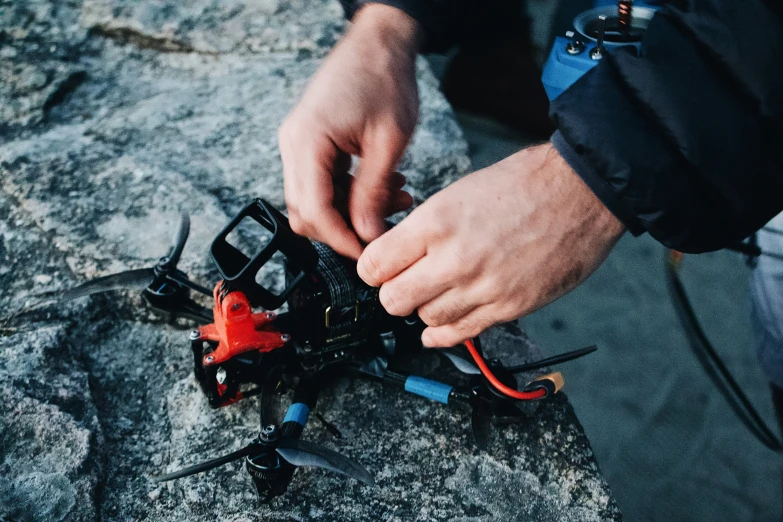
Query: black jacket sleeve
{"points": [[685, 141], [451, 22], [426, 12]]}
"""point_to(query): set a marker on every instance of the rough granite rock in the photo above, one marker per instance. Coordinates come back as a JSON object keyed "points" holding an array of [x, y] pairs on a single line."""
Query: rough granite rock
{"points": [[39, 43], [114, 116], [220, 26], [49, 430]]}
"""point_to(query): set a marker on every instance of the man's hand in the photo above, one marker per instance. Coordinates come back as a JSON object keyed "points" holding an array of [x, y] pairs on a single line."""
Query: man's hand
{"points": [[494, 246], [363, 101]]}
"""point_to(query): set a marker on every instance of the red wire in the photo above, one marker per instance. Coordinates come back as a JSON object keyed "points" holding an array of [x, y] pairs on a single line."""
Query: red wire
{"points": [[502, 388]]}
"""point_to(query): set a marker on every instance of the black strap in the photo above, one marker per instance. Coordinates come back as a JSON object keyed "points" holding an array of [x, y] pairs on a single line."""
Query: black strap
{"points": [[342, 283]]}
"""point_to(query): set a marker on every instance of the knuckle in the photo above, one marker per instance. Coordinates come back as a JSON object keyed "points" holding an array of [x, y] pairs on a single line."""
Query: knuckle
{"points": [[451, 338], [371, 269], [390, 301], [285, 132], [453, 268], [401, 121], [296, 223], [512, 310], [429, 316], [505, 307], [489, 289], [290, 195], [309, 215], [435, 224], [470, 327]]}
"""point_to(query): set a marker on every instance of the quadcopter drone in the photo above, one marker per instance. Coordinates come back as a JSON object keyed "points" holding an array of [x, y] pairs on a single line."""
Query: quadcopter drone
{"points": [[334, 326]]}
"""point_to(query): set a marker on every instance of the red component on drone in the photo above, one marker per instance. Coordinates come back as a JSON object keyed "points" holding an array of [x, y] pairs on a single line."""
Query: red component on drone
{"points": [[237, 329], [221, 389]]}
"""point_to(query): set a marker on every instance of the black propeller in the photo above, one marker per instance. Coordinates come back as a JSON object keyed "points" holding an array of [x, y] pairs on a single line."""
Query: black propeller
{"points": [[139, 279], [131, 280], [262, 452], [481, 421], [303, 453], [164, 286], [482, 400], [555, 359], [180, 238], [207, 465]]}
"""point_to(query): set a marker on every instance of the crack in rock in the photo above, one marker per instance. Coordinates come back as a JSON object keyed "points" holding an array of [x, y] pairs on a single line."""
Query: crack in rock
{"points": [[130, 36], [66, 87]]}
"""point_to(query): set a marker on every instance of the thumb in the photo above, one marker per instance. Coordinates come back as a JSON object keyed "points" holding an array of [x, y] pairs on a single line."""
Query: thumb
{"points": [[373, 192]]}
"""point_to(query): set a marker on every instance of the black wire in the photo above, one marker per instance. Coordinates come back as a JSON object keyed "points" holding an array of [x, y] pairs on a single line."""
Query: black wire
{"points": [[715, 367], [555, 359]]}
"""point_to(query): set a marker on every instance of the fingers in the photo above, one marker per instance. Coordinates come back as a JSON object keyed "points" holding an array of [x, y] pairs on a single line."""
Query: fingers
{"points": [[392, 253], [334, 231], [400, 200], [463, 329], [310, 194], [413, 287], [325, 223], [449, 307], [375, 187], [316, 185]]}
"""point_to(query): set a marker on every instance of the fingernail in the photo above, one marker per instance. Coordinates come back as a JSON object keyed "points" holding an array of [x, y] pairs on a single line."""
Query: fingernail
{"points": [[426, 339]]}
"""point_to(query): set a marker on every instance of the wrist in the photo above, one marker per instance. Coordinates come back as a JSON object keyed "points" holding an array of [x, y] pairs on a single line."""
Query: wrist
{"points": [[593, 210], [551, 177], [395, 28]]}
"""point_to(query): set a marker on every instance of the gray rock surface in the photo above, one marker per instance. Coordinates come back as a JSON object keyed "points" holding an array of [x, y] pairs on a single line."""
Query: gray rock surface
{"points": [[116, 115]]}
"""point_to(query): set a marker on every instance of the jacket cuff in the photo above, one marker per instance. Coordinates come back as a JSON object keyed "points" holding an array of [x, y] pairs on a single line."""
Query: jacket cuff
{"points": [[423, 11], [597, 184]]}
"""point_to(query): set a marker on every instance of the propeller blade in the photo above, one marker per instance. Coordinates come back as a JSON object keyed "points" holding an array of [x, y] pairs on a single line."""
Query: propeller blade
{"points": [[462, 364], [180, 238], [208, 465], [270, 397], [132, 279], [480, 424], [303, 453]]}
